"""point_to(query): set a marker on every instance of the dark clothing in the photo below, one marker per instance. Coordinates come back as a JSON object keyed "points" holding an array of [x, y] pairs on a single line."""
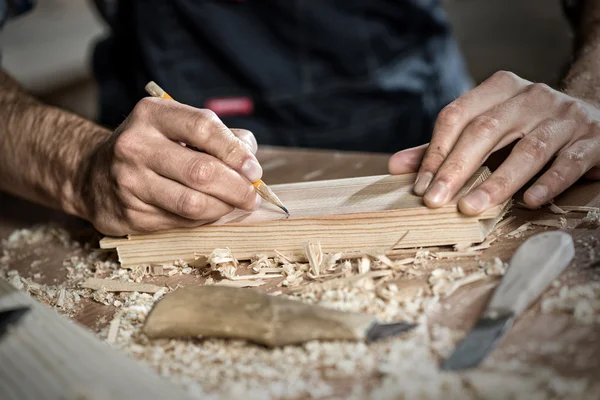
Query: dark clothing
{"points": [[365, 75]]}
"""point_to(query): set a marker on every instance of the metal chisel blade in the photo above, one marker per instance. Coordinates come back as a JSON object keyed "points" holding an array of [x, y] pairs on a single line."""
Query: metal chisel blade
{"points": [[382, 331], [11, 317], [535, 264], [482, 339]]}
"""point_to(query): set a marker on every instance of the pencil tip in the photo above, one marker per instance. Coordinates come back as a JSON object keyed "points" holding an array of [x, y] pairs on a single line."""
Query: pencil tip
{"points": [[286, 210]]}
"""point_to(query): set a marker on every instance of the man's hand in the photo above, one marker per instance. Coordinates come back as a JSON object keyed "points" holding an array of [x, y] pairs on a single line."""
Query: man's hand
{"points": [[141, 179], [547, 125]]}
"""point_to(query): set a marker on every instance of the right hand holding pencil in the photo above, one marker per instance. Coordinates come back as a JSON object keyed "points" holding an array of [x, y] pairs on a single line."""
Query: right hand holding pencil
{"points": [[143, 180]]}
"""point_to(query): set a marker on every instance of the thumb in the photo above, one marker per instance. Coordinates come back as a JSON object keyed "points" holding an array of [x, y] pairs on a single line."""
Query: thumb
{"points": [[407, 161]]}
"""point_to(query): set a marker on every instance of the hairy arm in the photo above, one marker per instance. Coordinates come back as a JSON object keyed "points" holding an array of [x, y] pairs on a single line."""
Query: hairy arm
{"points": [[583, 79], [44, 150], [136, 179]]}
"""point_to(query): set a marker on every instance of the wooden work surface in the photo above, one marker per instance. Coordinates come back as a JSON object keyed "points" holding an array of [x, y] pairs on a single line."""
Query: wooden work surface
{"points": [[560, 329]]}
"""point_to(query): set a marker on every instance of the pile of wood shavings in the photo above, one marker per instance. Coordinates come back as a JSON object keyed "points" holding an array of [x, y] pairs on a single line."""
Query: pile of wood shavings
{"points": [[401, 367], [582, 301]]}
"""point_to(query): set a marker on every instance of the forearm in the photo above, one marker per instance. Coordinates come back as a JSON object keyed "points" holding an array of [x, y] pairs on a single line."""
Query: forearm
{"points": [[583, 79], [44, 151]]}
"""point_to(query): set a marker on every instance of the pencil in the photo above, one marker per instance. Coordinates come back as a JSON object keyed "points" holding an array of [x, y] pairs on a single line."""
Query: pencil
{"points": [[261, 188]]}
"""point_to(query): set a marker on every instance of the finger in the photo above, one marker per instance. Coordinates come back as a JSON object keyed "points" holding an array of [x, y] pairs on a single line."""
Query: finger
{"points": [[180, 200], [203, 173], [527, 158], [570, 165], [453, 119], [150, 218], [510, 119], [247, 137], [202, 129], [406, 161]]}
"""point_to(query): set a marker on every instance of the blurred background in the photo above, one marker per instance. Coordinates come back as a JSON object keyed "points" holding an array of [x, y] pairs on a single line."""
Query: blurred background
{"points": [[48, 50]]}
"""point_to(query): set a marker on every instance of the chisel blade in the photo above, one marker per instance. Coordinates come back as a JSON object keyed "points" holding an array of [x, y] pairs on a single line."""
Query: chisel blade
{"points": [[478, 343], [382, 331], [533, 267], [10, 317]]}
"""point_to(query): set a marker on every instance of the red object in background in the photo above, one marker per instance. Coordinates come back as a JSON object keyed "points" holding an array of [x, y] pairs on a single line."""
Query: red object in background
{"points": [[231, 106]]}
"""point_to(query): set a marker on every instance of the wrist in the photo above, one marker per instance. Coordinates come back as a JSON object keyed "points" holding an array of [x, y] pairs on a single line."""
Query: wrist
{"points": [[78, 190]]}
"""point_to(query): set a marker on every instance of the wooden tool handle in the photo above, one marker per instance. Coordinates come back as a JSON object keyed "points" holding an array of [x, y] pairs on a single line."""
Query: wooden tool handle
{"points": [[536, 263], [217, 311]]}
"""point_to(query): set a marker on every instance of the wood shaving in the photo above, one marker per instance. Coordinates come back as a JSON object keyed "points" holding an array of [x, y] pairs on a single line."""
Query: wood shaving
{"points": [[314, 255], [241, 283], [113, 329], [551, 223], [504, 223], [517, 233], [556, 209], [582, 301], [495, 267], [445, 282], [110, 285], [592, 219], [223, 261], [364, 265], [581, 209]]}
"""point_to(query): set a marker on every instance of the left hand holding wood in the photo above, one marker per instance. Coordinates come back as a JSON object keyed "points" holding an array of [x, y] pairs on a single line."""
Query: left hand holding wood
{"points": [[547, 126]]}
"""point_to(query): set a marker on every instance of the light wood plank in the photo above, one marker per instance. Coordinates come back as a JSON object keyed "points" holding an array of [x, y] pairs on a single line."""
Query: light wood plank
{"points": [[379, 212]]}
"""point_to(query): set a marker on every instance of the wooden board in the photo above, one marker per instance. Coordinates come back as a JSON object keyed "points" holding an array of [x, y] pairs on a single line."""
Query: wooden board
{"points": [[378, 213], [47, 356]]}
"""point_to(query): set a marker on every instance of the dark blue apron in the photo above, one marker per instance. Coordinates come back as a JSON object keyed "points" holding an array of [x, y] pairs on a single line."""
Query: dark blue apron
{"points": [[367, 75]]}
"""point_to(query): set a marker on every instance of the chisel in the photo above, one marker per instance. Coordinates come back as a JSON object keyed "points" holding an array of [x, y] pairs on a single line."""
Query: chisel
{"points": [[533, 267], [247, 314]]}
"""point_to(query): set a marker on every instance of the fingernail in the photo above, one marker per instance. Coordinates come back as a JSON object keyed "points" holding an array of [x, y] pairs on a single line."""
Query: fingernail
{"points": [[437, 194], [477, 201], [538, 192], [252, 170], [422, 183], [258, 202]]}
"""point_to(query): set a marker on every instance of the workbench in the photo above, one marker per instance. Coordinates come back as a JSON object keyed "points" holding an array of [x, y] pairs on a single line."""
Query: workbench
{"points": [[561, 342]]}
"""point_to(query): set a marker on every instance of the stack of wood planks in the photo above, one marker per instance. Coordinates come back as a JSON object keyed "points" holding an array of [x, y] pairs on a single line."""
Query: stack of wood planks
{"points": [[377, 213]]}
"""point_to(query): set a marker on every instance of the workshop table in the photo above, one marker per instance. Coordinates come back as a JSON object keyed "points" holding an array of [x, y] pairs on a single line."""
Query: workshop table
{"points": [[575, 341]]}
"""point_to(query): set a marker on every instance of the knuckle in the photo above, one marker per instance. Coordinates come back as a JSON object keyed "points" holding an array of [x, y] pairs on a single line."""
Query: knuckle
{"points": [[532, 147], [201, 171], [433, 160], [204, 123], [190, 204], [540, 89], [504, 76], [452, 169], [125, 178], [498, 187], [127, 145], [451, 115], [574, 158], [595, 128], [145, 107], [575, 109], [484, 126]]}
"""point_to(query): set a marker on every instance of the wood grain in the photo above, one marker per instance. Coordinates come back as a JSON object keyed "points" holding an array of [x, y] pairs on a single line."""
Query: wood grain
{"points": [[46, 356], [378, 213]]}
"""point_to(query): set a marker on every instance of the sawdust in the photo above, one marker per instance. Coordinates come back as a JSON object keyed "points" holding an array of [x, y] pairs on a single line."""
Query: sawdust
{"points": [[401, 367], [582, 301]]}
